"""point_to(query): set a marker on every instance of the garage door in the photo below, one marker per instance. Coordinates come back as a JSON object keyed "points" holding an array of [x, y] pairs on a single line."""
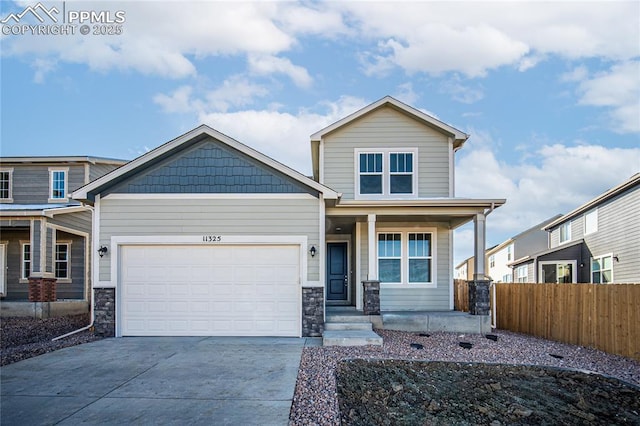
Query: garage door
{"points": [[210, 290]]}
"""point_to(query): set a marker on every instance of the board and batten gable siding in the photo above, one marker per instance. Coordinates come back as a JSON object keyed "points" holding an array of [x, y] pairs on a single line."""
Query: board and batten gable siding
{"points": [[209, 167], [387, 128], [619, 234], [205, 216], [415, 299]]}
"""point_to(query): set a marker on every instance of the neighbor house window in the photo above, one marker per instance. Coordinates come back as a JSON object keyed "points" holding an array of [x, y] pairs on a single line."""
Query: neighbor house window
{"points": [[406, 258], [492, 261], [5, 184], [26, 261], [522, 273], [602, 269], [386, 173], [507, 278], [565, 232], [58, 184], [558, 272], [62, 261], [591, 222], [509, 252]]}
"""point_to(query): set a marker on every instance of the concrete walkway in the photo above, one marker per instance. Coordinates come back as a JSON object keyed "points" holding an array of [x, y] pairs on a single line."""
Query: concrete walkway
{"points": [[156, 380]]}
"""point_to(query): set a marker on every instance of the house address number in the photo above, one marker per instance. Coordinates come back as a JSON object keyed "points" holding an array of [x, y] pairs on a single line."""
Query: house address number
{"points": [[211, 238]]}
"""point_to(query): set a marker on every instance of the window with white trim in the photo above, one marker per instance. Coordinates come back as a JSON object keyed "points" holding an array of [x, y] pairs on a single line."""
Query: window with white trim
{"points": [[25, 261], [62, 261], [390, 258], [509, 252], [58, 184], [386, 173], [522, 273], [507, 278], [591, 222], [557, 271], [420, 258], [565, 232], [602, 269], [492, 261], [6, 184], [406, 257]]}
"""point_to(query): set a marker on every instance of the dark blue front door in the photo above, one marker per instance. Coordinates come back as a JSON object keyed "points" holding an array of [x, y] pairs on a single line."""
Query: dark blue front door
{"points": [[337, 274]]}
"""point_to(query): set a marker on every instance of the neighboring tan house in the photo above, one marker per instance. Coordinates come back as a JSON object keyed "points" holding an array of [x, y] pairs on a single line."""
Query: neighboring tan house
{"points": [[501, 257], [206, 236], [45, 235], [464, 270], [599, 242]]}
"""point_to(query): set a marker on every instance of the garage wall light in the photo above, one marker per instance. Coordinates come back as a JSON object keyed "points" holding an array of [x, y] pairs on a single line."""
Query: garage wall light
{"points": [[102, 250], [313, 251]]}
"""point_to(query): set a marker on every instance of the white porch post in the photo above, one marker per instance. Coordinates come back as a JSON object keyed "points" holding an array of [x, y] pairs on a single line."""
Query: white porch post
{"points": [[371, 234], [479, 243]]}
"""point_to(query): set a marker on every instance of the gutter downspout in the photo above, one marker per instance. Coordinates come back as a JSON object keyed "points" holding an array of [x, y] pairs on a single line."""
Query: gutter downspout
{"points": [[91, 311]]}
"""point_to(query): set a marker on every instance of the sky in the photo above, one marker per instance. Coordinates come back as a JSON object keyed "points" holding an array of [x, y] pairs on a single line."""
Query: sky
{"points": [[548, 91]]}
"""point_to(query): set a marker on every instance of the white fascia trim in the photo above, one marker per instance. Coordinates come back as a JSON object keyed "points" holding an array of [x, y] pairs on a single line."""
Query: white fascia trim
{"points": [[52, 212], [232, 196]]}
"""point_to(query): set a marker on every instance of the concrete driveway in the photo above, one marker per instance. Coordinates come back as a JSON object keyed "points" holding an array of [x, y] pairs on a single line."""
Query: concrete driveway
{"points": [[156, 380]]}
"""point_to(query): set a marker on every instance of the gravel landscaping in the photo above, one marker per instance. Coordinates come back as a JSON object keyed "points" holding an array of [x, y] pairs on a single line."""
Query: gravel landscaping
{"points": [[399, 392], [423, 379], [22, 338]]}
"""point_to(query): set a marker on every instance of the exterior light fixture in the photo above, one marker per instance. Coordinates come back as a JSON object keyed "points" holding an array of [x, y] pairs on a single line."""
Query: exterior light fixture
{"points": [[312, 250], [102, 250]]}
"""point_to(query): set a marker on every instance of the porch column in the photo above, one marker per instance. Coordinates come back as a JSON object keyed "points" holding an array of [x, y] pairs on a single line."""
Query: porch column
{"points": [[479, 287], [373, 270], [479, 238], [42, 282]]}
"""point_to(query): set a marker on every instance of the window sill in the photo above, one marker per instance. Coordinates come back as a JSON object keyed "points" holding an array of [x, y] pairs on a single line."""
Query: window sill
{"points": [[64, 281], [58, 200], [6, 200]]}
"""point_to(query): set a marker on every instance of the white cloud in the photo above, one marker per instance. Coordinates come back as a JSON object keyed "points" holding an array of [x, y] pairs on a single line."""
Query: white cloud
{"points": [[267, 65], [177, 102], [460, 92], [619, 89]]}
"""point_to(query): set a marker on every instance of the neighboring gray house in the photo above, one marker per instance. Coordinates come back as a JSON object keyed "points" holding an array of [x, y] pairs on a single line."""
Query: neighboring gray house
{"points": [[206, 236], [501, 257], [599, 242], [45, 235]]}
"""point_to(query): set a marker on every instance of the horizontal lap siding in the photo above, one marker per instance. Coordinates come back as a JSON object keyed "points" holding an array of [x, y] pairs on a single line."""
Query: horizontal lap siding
{"points": [[619, 234], [80, 221], [209, 216], [32, 185], [387, 128], [75, 288], [15, 289]]}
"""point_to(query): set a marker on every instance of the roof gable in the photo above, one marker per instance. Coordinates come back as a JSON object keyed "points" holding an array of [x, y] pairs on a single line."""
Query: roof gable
{"points": [[208, 167], [458, 136], [150, 170]]}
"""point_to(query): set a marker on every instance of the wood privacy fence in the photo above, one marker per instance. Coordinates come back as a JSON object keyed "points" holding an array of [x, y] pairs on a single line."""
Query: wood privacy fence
{"points": [[602, 316]]}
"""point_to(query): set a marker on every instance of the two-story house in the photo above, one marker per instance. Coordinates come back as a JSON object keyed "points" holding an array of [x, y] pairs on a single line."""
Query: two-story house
{"points": [[598, 242], [206, 236], [45, 235], [501, 257]]}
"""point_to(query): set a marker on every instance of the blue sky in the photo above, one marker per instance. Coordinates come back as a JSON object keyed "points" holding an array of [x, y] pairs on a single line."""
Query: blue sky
{"points": [[550, 92]]}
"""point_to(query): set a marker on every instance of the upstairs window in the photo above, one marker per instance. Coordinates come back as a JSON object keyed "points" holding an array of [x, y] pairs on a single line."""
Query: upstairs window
{"points": [[492, 261], [371, 173], [565, 232], [591, 222], [509, 252], [386, 173], [5, 184], [58, 185]]}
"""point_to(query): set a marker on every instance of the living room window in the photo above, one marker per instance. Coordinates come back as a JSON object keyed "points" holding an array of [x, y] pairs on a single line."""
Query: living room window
{"points": [[602, 269], [5, 184], [58, 180], [558, 272], [386, 173], [406, 258], [25, 252], [62, 264]]}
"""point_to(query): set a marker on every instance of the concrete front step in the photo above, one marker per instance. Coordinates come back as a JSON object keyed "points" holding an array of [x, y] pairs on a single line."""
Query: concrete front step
{"points": [[350, 338], [348, 318], [348, 326]]}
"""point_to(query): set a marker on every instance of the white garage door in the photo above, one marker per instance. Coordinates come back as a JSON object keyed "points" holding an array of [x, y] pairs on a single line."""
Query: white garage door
{"points": [[220, 290]]}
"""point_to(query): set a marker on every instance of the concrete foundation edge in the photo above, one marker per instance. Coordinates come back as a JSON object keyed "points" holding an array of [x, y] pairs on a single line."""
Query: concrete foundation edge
{"points": [[43, 310]]}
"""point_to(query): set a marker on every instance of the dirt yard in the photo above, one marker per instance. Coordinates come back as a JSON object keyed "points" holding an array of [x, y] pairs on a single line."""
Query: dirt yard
{"points": [[393, 392]]}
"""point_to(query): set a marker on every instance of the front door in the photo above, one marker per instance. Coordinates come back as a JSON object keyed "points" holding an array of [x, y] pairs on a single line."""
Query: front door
{"points": [[337, 272]]}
